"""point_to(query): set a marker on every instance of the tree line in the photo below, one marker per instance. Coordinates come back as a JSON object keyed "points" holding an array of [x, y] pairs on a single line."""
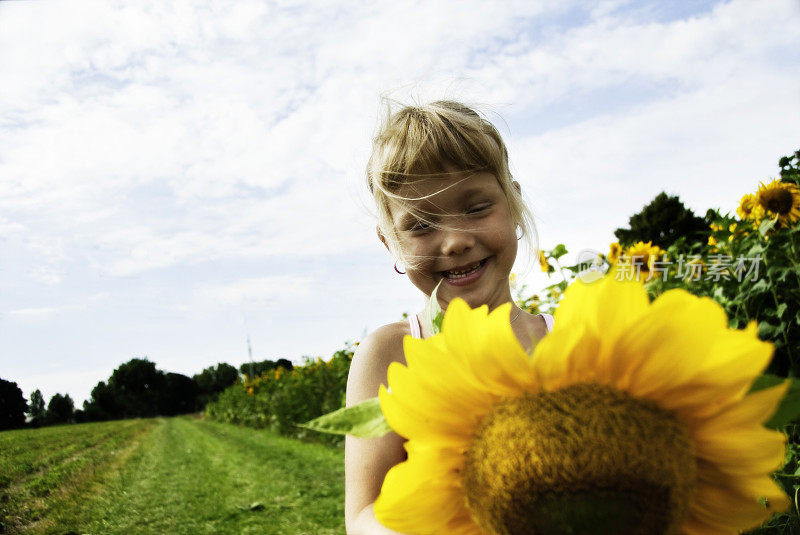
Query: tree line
{"points": [[136, 389]]}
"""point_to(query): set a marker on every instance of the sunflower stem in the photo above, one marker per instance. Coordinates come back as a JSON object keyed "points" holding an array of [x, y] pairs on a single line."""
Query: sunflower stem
{"points": [[777, 305], [794, 259], [561, 271]]}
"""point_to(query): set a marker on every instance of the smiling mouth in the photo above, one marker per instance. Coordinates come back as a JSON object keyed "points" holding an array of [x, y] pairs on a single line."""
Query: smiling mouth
{"points": [[462, 273]]}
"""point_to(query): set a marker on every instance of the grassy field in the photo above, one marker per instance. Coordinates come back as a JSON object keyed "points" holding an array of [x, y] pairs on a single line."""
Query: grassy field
{"points": [[167, 475]]}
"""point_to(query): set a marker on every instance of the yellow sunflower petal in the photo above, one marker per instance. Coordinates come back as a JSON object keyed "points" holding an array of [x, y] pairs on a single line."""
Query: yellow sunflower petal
{"points": [[445, 402], [433, 363], [606, 306], [748, 487], [754, 409], [462, 524], [742, 451], [564, 357], [669, 346], [413, 499], [508, 353], [414, 422], [735, 440], [724, 375], [721, 508], [695, 526], [466, 335]]}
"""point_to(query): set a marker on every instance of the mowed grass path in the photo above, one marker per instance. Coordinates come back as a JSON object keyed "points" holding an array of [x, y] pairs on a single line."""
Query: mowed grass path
{"points": [[173, 475]]}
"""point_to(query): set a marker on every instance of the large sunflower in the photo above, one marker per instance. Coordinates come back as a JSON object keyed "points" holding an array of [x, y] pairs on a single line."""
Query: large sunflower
{"points": [[780, 199], [629, 417]]}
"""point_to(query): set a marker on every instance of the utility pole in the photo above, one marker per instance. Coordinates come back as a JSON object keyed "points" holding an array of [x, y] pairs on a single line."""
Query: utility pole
{"points": [[250, 353]]}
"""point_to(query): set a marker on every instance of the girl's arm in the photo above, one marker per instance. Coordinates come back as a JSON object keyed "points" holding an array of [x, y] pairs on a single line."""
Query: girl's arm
{"points": [[367, 460]]}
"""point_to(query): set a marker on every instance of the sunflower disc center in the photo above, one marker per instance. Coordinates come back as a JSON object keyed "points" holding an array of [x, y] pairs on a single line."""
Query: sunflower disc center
{"points": [[778, 201], [586, 459]]}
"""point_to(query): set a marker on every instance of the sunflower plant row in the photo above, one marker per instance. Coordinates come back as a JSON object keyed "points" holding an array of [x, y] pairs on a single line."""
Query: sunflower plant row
{"points": [[750, 264], [279, 399]]}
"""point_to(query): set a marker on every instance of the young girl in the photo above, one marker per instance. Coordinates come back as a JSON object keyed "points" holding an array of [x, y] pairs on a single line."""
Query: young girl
{"points": [[449, 211]]}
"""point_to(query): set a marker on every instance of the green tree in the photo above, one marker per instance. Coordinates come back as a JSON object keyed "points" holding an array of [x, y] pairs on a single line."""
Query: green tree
{"points": [[60, 409], [136, 386], [790, 168], [213, 380], [12, 406], [178, 396], [663, 221], [258, 368], [37, 410], [102, 404]]}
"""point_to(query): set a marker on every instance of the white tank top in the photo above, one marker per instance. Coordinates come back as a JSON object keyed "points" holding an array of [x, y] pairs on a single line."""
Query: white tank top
{"points": [[416, 330]]}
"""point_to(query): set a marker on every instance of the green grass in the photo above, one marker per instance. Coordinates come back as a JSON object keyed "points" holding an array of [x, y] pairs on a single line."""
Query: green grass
{"points": [[169, 475]]}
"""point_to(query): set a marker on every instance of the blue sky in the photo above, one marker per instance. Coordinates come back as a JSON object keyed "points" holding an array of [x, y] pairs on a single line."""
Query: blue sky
{"points": [[177, 175]]}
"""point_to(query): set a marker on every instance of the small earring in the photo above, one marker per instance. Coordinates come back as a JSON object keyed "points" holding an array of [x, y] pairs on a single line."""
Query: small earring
{"points": [[397, 270], [521, 234]]}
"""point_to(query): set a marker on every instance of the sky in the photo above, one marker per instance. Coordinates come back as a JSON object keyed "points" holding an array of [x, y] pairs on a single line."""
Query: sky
{"points": [[178, 176]]}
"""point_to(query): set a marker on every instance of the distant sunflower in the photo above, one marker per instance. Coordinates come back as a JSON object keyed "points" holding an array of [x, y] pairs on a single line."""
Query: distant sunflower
{"points": [[614, 250], [630, 417], [543, 262], [780, 199], [749, 208], [643, 256]]}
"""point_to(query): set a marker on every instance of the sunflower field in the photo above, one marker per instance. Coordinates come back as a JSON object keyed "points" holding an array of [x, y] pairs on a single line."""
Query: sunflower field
{"points": [[279, 399], [750, 264]]}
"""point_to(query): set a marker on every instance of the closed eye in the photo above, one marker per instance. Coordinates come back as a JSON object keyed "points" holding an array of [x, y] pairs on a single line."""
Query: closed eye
{"points": [[479, 208], [419, 225]]}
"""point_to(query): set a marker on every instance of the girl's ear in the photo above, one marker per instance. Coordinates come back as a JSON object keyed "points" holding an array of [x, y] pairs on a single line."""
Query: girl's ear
{"points": [[516, 185], [380, 237]]}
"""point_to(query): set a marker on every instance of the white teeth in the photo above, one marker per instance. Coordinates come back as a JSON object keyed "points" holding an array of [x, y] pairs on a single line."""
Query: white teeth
{"points": [[464, 272]]}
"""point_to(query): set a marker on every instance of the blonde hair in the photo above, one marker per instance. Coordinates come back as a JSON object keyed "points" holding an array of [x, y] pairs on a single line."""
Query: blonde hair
{"points": [[429, 141]]}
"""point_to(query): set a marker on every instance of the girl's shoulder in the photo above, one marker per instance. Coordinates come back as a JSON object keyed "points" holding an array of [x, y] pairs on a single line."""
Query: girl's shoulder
{"points": [[371, 360]]}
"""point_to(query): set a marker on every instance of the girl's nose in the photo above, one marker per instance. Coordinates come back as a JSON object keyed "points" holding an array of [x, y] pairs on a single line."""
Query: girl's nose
{"points": [[456, 241]]}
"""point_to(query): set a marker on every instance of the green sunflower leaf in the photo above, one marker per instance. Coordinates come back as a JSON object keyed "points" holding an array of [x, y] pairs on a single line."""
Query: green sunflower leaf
{"points": [[558, 251], [789, 408], [766, 226], [364, 420], [432, 316]]}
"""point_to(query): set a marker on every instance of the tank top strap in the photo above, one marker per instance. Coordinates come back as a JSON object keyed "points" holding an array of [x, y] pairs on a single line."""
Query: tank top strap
{"points": [[413, 323], [548, 320]]}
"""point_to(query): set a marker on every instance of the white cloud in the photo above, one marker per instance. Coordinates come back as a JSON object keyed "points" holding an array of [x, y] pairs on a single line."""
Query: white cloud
{"points": [[34, 313], [41, 313], [257, 291]]}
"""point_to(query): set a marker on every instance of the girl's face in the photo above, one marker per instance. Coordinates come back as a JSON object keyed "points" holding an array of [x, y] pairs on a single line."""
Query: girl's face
{"points": [[475, 254]]}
